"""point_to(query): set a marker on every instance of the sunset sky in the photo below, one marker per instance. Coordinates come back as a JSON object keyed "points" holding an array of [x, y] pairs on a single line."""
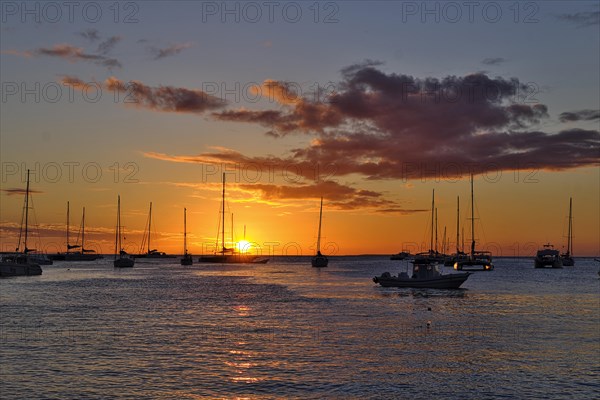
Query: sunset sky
{"points": [[371, 105]]}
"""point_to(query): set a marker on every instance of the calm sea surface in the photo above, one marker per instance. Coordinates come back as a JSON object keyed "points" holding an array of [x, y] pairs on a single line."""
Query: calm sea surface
{"points": [[286, 330]]}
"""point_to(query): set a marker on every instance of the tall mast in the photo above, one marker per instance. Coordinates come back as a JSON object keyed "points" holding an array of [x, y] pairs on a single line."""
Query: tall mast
{"points": [[444, 242], [149, 226], [83, 231], [223, 216], [184, 232], [432, 212], [570, 233], [26, 212], [232, 241], [436, 232], [457, 222], [67, 226], [472, 219], [319, 234], [117, 231]]}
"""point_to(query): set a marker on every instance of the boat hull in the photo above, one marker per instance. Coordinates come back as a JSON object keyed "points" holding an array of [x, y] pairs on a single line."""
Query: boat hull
{"points": [[187, 260], [124, 263], [548, 263], [228, 259], [319, 262], [19, 269], [567, 261], [449, 281], [473, 266]]}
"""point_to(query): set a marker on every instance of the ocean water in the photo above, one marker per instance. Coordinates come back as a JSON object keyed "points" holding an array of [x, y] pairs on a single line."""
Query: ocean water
{"points": [[284, 330]]}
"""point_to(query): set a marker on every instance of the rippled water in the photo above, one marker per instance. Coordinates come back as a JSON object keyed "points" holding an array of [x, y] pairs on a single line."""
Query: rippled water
{"points": [[286, 330]]}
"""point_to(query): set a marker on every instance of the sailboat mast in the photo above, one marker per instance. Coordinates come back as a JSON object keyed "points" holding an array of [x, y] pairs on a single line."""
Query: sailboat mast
{"points": [[232, 241], [319, 234], [184, 231], [223, 216], [570, 233], [26, 211], [436, 232], [149, 226], [67, 226], [83, 231], [118, 224], [432, 208], [472, 219], [444, 242], [457, 222]]}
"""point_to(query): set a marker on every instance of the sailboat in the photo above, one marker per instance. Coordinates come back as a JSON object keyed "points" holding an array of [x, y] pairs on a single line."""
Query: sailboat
{"points": [[432, 256], [319, 260], [21, 263], [567, 258], [187, 258], [83, 254], [122, 260], [226, 255], [150, 253], [459, 255], [477, 260]]}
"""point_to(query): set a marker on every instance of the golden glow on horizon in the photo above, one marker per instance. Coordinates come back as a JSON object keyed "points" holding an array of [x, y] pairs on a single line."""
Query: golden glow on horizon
{"points": [[514, 218]]}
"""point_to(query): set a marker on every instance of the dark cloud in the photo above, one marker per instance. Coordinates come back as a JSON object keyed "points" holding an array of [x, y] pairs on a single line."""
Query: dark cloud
{"points": [[75, 54], [165, 98], [582, 115], [582, 19], [91, 35], [19, 191], [169, 51], [493, 61], [382, 125], [106, 46]]}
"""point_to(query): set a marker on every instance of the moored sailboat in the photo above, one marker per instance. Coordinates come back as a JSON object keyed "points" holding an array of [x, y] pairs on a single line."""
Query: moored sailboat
{"points": [[187, 258], [21, 263], [319, 260], [476, 260], [432, 256], [122, 259], [150, 252], [82, 254], [567, 258], [225, 254]]}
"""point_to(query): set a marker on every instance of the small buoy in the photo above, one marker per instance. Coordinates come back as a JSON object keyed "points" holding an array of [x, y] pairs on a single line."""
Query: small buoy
{"points": [[428, 324], [428, 308]]}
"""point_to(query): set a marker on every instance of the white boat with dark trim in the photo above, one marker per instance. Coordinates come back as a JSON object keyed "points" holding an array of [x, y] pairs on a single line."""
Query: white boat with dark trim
{"points": [[424, 275]]}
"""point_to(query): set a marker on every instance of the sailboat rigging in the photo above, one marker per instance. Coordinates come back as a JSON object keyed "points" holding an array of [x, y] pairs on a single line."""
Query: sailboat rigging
{"points": [[225, 254], [567, 258], [150, 252], [122, 259], [319, 260], [477, 260], [21, 263], [187, 258]]}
